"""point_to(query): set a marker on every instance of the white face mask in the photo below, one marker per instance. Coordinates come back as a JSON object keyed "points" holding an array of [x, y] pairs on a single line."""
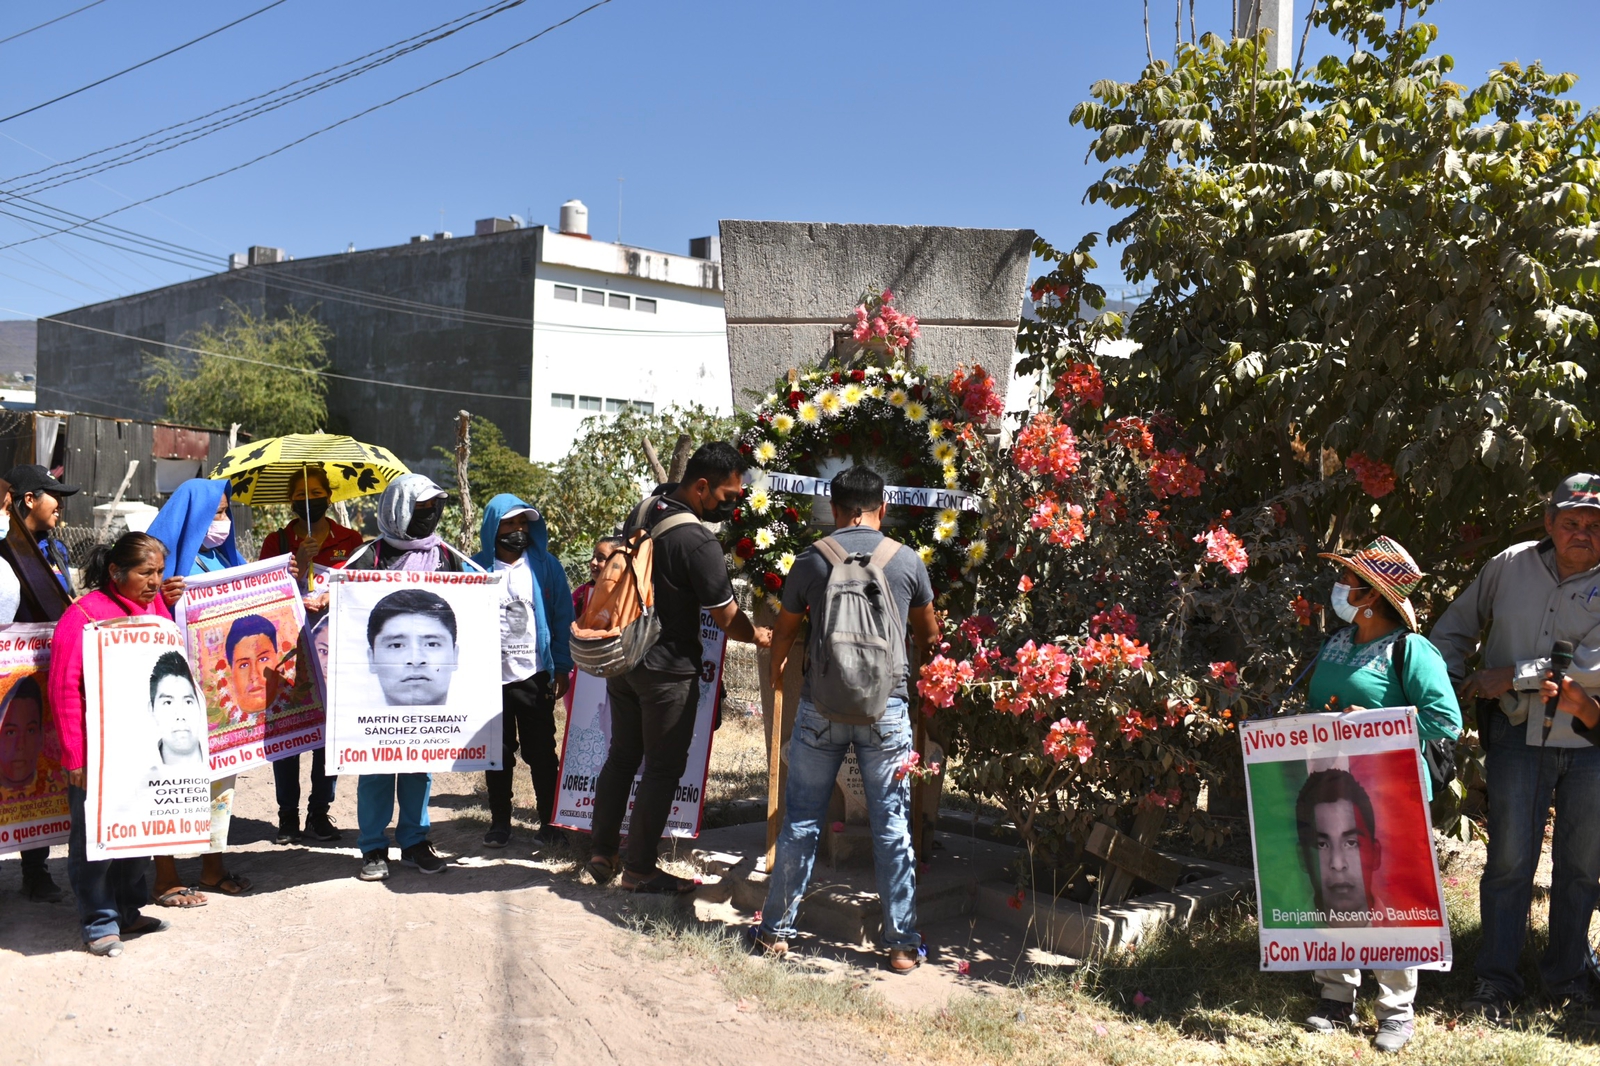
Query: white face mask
{"points": [[220, 528], [1341, 602]]}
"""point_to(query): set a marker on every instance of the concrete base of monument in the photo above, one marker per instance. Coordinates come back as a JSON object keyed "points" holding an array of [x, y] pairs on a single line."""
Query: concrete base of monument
{"points": [[966, 878]]}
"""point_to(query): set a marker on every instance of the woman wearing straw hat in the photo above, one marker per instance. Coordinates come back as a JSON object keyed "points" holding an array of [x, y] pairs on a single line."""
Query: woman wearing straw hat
{"points": [[1370, 663]]}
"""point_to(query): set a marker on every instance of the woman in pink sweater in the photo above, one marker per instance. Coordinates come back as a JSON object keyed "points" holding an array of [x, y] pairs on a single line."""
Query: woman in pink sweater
{"points": [[126, 579]]}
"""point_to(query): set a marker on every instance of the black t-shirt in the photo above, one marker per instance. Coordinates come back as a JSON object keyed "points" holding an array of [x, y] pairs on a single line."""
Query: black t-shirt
{"points": [[690, 573]]}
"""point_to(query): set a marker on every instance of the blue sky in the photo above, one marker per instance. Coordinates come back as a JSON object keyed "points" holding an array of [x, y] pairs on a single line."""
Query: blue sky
{"points": [[895, 111]]}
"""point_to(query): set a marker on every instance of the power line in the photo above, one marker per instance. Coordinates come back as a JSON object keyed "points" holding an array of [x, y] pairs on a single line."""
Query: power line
{"points": [[275, 99], [51, 22], [275, 366], [142, 63], [332, 126]]}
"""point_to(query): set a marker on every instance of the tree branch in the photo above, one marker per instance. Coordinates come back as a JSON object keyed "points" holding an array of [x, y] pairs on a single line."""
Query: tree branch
{"points": [[655, 463]]}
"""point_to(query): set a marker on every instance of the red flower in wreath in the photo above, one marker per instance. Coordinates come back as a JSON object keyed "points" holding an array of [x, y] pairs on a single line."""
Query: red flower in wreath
{"points": [[773, 582], [745, 548]]}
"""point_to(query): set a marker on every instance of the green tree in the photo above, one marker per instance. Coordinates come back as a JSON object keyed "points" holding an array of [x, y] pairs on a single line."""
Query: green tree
{"points": [[593, 487], [1366, 268], [261, 373]]}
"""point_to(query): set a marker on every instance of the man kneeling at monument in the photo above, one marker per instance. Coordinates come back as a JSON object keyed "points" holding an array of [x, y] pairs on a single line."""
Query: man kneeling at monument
{"points": [[861, 589]]}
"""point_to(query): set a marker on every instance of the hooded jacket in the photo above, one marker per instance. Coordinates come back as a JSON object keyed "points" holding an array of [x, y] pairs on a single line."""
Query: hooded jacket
{"points": [[552, 595], [389, 549], [183, 523]]}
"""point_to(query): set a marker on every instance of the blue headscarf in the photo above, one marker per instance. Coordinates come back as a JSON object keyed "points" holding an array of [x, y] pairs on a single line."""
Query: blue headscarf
{"points": [[185, 520]]}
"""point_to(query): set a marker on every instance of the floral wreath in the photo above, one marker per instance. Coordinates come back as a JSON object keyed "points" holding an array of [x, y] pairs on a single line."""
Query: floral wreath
{"points": [[915, 431]]}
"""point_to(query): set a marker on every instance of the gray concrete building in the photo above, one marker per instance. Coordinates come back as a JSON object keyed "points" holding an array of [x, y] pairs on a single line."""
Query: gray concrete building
{"points": [[420, 332]]}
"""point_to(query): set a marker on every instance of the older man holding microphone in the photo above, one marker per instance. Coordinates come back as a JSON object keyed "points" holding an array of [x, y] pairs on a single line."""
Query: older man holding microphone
{"points": [[1535, 598]]}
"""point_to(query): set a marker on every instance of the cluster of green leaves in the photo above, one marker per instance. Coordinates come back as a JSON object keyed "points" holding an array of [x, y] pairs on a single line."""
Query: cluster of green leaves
{"points": [[261, 373], [1363, 258], [585, 495]]}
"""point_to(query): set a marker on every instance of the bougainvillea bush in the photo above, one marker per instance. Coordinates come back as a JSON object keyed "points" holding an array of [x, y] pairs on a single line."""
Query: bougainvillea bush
{"points": [[1121, 626]]}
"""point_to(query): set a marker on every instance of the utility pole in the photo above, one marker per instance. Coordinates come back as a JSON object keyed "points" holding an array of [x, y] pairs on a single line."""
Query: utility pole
{"points": [[1252, 16]]}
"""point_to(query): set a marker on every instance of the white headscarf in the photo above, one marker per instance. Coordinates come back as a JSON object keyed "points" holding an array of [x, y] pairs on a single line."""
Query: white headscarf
{"points": [[395, 509]]}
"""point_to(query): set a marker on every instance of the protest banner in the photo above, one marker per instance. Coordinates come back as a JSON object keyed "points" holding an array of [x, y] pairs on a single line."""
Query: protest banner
{"points": [[149, 780], [33, 787], [241, 629], [588, 737], [413, 672], [1346, 876]]}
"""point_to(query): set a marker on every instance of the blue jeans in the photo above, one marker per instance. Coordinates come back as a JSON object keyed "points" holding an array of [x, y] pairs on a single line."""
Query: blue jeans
{"points": [[1522, 781], [816, 751], [375, 796], [109, 891], [286, 778]]}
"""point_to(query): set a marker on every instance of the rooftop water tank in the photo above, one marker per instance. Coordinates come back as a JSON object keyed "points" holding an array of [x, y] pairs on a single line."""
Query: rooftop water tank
{"points": [[575, 218]]}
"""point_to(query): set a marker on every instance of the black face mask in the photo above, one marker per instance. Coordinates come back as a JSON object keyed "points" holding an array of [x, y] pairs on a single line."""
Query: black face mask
{"points": [[515, 541], [312, 510], [423, 522], [722, 512]]}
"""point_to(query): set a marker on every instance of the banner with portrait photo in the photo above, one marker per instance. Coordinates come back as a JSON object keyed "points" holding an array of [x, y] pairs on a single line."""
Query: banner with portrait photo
{"points": [[241, 629], [413, 672], [588, 737], [1346, 876], [149, 778], [33, 787]]}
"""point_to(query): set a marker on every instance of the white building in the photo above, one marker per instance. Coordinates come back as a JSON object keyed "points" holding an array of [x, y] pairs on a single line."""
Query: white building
{"points": [[615, 325]]}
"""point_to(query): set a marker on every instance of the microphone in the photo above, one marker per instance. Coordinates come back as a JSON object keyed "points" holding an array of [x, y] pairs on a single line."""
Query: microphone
{"points": [[1560, 660]]}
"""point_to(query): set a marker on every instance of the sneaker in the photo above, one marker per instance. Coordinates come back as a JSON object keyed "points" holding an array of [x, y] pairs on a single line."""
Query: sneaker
{"points": [[375, 866], [1331, 1016], [289, 830], [38, 886], [1489, 1001], [498, 836], [1394, 1034], [549, 835], [423, 857], [321, 827]]}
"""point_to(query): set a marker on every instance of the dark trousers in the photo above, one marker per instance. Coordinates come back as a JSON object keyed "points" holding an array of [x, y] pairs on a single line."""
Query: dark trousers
{"points": [[652, 721], [33, 861], [111, 891], [286, 776], [530, 722]]}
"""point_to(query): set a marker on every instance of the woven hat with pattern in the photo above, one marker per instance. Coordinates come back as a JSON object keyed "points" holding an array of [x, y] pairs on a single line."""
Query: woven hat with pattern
{"points": [[1389, 568]]}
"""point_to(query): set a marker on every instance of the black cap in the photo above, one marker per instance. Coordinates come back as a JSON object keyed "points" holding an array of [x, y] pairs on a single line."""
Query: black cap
{"points": [[1579, 490], [34, 478]]}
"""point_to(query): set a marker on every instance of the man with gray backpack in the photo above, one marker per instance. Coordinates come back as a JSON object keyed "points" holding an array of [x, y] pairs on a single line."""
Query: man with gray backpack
{"points": [[862, 589]]}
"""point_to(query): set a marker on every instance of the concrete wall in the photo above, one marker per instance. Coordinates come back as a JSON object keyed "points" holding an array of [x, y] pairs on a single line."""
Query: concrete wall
{"points": [[790, 285], [377, 339]]}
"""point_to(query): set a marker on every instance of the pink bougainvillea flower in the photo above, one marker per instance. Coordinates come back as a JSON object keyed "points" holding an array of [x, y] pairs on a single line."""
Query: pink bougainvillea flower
{"points": [[963, 967], [1045, 447], [1375, 475], [1172, 474], [1079, 385], [975, 392], [1133, 434], [942, 679], [1068, 739], [1043, 670], [1112, 650], [1302, 609], [1225, 548], [1118, 620], [1227, 673], [1025, 584], [1140, 999]]}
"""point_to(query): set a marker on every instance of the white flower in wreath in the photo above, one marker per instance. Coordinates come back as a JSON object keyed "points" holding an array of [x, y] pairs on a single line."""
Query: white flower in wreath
{"points": [[925, 553], [782, 424], [851, 394], [915, 411], [951, 478], [785, 562], [949, 516], [899, 397], [765, 452], [976, 552], [808, 413], [771, 400], [764, 539], [830, 402], [944, 531], [943, 452], [760, 501], [876, 392], [936, 429]]}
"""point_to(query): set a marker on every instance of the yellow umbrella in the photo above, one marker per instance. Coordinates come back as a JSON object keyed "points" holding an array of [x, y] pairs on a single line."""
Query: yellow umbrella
{"points": [[261, 471]]}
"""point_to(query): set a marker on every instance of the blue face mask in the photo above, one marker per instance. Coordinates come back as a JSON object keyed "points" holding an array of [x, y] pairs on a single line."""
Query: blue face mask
{"points": [[1341, 603]]}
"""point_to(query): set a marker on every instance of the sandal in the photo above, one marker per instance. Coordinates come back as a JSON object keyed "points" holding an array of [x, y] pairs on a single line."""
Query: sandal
{"points": [[182, 896], [659, 883], [106, 947], [146, 923], [230, 885], [602, 868]]}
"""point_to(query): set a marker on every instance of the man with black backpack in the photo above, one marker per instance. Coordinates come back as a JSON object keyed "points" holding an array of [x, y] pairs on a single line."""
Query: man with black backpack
{"points": [[653, 705], [861, 589]]}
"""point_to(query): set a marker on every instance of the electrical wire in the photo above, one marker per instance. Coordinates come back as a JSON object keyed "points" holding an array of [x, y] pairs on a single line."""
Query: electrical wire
{"points": [[51, 22], [331, 126], [142, 63], [275, 366], [274, 98]]}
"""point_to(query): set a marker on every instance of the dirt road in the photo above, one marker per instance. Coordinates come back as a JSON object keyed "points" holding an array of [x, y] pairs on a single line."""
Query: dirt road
{"points": [[497, 960]]}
